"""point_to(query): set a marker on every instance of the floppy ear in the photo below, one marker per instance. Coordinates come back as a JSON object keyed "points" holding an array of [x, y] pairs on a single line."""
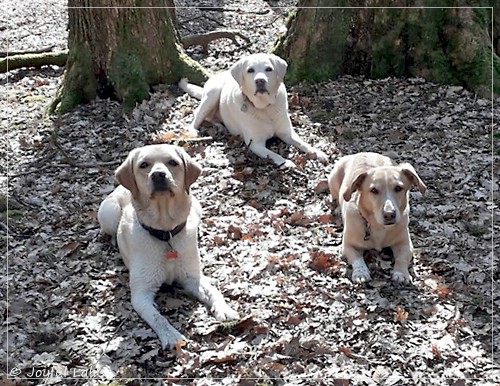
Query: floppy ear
{"points": [[280, 65], [125, 173], [237, 70], [412, 175], [357, 180], [192, 169]]}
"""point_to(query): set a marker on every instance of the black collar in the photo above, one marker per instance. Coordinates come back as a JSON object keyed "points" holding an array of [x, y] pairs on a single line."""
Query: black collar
{"points": [[164, 235]]}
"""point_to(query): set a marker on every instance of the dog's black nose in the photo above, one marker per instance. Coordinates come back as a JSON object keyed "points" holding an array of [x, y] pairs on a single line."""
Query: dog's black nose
{"points": [[389, 216], [158, 176], [260, 82], [160, 181]]}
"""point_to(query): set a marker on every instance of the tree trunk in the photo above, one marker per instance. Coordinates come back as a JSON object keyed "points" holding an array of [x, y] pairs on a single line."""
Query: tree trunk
{"points": [[121, 51], [442, 45]]}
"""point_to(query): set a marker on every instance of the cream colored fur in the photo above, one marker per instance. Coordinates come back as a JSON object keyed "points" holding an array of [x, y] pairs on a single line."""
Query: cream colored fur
{"points": [[372, 194], [155, 191], [251, 101]]}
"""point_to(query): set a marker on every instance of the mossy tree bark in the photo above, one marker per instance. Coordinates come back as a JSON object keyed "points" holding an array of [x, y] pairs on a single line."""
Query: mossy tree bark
{"points": [[443, 45], [120, 51]]}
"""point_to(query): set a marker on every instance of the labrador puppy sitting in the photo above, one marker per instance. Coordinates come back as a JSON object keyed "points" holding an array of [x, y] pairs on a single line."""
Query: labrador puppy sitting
{"points": [[373, 195], [251, 101], [155, 218]]}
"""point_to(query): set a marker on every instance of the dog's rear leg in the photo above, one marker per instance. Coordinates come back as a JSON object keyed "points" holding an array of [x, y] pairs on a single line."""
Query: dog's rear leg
{"points": [[109, 215], [208, 106], [143, 303], [211, 296]]}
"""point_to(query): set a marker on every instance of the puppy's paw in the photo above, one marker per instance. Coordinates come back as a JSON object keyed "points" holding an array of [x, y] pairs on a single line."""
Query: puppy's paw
{"points": [[183, 83], [191, 130], [320, 156], [287, 165], [219, 126], [401, 278], [360, 272], [223, 312], [170, 338]]}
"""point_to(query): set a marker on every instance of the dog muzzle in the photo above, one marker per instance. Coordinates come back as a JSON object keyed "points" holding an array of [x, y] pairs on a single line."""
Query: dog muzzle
{"points": [[160, 182]]}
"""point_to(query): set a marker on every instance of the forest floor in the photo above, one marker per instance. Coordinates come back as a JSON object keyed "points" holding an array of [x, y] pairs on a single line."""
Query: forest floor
{"points": [[269, 238]]}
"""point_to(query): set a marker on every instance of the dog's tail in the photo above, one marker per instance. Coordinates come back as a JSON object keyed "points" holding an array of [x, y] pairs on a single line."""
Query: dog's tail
{"points": [[192, 89]]}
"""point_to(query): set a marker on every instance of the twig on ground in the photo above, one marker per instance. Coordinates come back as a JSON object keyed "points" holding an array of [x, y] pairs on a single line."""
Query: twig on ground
{"points": [[57, 58], [222, 9], [3, 54], [204, 39], [195, 139], [55, 142], [5, 227]]}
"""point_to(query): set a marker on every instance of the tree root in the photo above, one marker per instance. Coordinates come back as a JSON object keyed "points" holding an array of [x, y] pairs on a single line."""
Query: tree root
{"points": [[3, 54], [45, 56], [204, 39], [20, 60]]}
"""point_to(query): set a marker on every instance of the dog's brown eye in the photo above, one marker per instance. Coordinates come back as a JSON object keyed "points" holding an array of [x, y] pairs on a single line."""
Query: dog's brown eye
{"points": [[374, 190], [398, 189], [173, 162], [143, 165], [268, 69], [250, 70]]}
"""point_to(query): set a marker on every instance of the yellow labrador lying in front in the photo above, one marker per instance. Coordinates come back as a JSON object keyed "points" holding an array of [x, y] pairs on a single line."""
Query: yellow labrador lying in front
{"points": [[155, 220], [372, 193], [251, 101]]}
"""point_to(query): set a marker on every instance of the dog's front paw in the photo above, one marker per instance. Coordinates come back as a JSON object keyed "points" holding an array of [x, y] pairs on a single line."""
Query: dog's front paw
{"points": [[223, 312], [287, 165], [360, 272], [320, 156], [170, 338], [191, 130], [401, 278]]}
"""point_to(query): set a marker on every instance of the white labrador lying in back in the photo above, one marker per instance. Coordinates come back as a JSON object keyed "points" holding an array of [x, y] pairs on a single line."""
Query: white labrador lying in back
{"points": [[251, 101], [155, 220], [372, 193]]}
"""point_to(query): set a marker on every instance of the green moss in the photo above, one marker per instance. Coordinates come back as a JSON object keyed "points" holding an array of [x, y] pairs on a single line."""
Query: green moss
{"points": [[34, 98], [79, 85], [443, 45], [134, 70], [306, 50], [496, 142], [128, 77], [188, 68], [477, 73], [388, 46], [13, 213], [282, 41]]}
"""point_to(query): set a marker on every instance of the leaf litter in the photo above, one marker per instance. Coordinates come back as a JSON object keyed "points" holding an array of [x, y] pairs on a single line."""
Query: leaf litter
{"points": [[269, 238]]}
